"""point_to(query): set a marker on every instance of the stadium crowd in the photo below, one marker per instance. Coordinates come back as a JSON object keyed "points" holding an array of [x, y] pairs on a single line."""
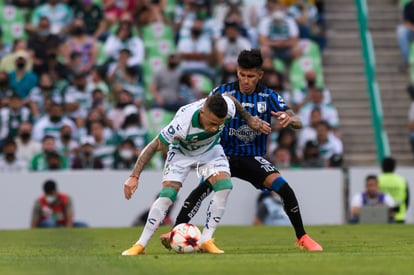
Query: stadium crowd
{"points": [[86, 84]]}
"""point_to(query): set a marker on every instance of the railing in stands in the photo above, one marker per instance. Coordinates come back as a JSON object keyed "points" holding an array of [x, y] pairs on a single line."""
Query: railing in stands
{"points": [[381, 137]]}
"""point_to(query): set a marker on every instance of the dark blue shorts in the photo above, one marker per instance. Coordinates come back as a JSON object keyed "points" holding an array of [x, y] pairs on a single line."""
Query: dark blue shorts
{"points": [[251, 169]]}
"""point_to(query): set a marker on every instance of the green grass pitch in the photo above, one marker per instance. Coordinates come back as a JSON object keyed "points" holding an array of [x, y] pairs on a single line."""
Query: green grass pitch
{"points": [[348, 249]]}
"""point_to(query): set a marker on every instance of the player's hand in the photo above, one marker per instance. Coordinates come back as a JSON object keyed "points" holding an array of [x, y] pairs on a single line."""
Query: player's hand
{"points": [[260, 125], [284, 118], [130, 185]]}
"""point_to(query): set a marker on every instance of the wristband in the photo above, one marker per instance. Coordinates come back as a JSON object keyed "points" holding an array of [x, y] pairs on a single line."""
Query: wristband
{"points": [[132, 176]]}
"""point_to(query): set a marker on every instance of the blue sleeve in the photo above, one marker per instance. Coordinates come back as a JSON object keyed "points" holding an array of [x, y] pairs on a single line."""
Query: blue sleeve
{"points": [[277, 103]]}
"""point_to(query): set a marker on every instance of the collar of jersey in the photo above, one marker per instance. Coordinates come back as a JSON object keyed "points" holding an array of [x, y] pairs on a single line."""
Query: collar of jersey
{"points": [[195, 120]]}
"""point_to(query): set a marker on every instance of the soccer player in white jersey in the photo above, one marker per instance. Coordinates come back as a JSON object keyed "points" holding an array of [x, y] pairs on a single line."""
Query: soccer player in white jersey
{"points": [[193, 139]]}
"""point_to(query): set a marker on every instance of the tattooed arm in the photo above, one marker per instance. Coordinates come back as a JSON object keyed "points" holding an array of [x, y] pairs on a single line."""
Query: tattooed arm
{"points": [[288, 118], [131, 184]]}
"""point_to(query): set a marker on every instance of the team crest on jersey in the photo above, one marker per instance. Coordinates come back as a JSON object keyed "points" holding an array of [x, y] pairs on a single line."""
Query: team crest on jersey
{"points": [[261, 106]]}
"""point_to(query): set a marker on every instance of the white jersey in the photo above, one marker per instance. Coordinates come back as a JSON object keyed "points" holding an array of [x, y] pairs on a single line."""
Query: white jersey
{"points": [[186, 134]]}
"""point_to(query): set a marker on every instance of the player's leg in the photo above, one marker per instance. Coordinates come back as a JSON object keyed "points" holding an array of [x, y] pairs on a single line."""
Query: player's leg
{"points": [[262, 174], [175, 172], [278, 184], [156, 216], [190, 207], [193, 202], [222, 186], [215, 168]]}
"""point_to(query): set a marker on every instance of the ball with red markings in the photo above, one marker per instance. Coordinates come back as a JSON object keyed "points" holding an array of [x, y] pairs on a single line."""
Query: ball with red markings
{"points": [[185, 238]]}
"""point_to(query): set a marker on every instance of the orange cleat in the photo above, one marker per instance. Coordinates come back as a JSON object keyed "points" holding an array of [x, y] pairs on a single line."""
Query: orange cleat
{"points": [[210, 247], [306, 242], [134, 250]]}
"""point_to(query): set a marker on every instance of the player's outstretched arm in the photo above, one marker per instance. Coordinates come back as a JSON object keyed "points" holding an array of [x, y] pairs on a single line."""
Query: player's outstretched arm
{"points": [[131, 184], [288, 118], [254, 122]]}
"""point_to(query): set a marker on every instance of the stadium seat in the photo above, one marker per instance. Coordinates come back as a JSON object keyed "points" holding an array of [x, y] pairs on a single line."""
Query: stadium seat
{"points": [[158, 118], [297, 72], [310, 49], [203, 83], [149, 67], [170, 8], [158, 39], [12, 21], [279, 65], [101, 59]]}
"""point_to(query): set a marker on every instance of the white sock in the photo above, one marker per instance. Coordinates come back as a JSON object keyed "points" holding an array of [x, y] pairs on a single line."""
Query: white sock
{"points": [[155, 218], [214, 213]]}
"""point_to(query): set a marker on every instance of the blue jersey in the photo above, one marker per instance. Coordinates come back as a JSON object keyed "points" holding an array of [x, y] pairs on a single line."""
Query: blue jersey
{"points": [[237, 138]]}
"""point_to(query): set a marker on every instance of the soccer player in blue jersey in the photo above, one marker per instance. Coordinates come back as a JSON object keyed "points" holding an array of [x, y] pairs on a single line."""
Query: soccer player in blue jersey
{"points": [[246, 148]]}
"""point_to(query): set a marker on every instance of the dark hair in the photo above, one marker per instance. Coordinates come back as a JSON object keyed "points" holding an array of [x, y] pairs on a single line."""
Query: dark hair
{"points": [[217, 105], [9, 141], [287, 131], [336, 160], [324, 123], [186, 79], [371, 177], [52, 155], [121, 24], [46, 137], [132, 119], [97, 90], [388, 165], [250, 59], [311, 144], [74, 54], [125, 50], [49, 186], [410, 91], [128, 141]]}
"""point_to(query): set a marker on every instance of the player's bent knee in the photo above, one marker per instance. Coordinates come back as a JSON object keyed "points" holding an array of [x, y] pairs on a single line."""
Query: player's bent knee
{"points": [[278, 183], [222, 184], [169, 192]]}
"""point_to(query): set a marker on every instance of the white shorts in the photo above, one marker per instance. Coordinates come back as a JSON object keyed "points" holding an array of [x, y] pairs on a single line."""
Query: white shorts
{"points": [[177, 166]]}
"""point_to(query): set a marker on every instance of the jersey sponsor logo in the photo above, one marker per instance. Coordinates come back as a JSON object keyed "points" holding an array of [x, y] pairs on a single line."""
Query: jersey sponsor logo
{"points": [[261, 106], [244, 133], [263, 95]]}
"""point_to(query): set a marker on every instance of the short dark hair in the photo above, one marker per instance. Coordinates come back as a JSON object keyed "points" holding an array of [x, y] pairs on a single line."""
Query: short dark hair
{"points": [[324, 123], [128, 141], [9, 141], [46, 137], [49, 186], [371, 177], [250, 59], [388, 165], [217, 105]]}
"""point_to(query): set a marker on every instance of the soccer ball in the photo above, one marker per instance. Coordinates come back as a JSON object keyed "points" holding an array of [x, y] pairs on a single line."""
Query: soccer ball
{"points": [[185, 238]]}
